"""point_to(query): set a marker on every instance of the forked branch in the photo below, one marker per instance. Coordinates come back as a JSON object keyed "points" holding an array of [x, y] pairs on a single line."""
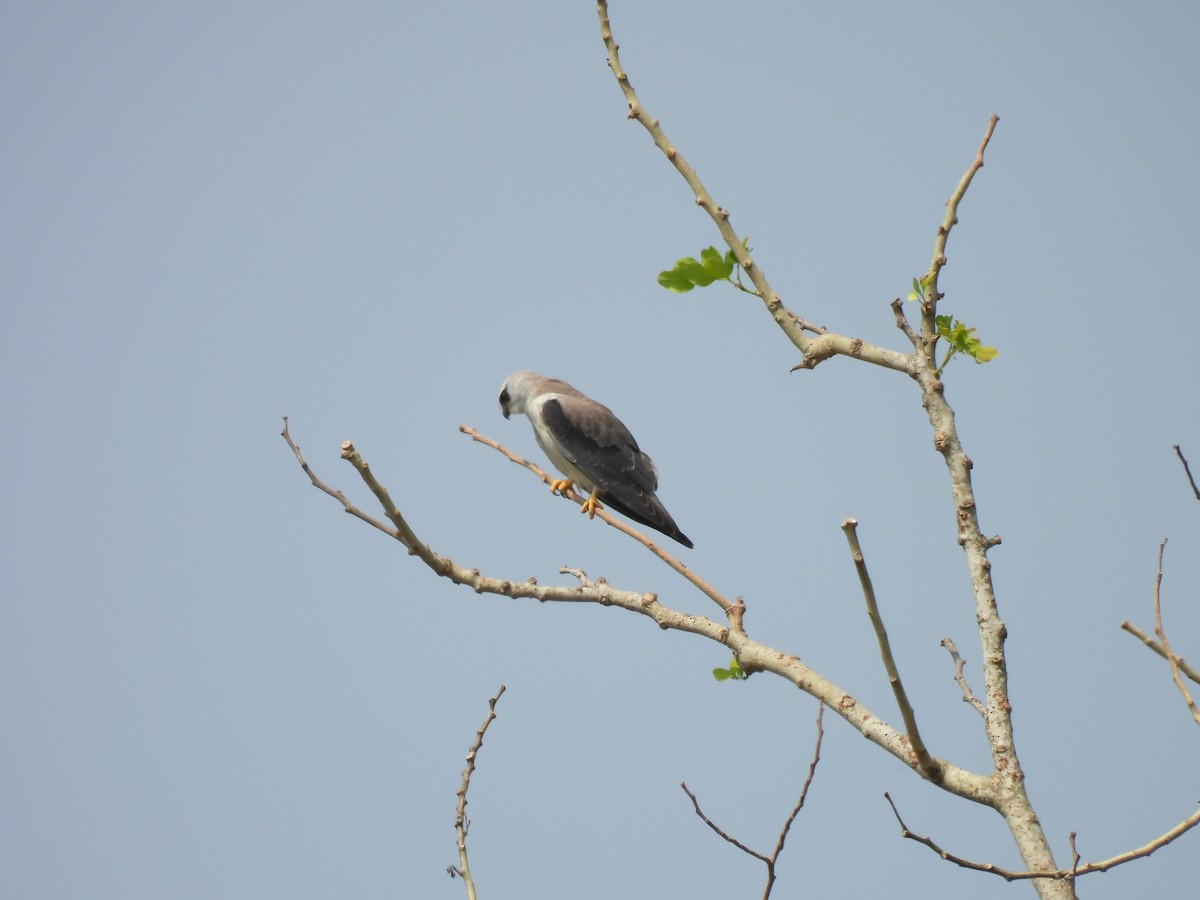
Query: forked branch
{"points": [[961, 679], [1185, 667], [1056, 874], [769, 861], [1172, 659]]}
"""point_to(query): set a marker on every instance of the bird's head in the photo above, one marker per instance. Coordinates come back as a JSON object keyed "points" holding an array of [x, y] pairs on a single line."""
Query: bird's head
{"points": [[515, 391]]}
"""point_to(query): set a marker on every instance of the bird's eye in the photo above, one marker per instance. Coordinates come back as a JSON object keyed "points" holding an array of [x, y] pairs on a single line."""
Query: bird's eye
{"points": [[504, 396]]}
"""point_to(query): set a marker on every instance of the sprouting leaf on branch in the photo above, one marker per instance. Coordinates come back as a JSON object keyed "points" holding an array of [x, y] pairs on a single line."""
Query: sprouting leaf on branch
{"points": [[688, 273], [958, 337], [961, 339], [735, 671]]}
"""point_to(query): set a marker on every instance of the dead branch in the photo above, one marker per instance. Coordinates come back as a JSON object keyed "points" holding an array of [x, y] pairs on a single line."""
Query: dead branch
{"points": [[769, 861], [1057, 874], [1187, 471], [1162, 638], [927, 763], [461, 824]]}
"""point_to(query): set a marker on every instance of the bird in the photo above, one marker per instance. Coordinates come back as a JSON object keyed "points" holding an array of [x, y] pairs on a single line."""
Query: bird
{"points": [[592, 447]]}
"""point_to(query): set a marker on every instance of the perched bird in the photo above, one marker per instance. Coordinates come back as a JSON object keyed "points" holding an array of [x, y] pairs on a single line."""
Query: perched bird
{"points": [[591, 446]]}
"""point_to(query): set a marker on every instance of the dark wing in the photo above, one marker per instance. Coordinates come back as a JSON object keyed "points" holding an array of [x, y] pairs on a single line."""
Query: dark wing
{"points": [[601, 447]]}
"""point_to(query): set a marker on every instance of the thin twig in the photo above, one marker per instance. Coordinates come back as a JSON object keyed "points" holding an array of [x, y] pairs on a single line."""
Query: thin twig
{"points": [[1188, 471], [404, 534], [928, 765], [930, 279], [960, 678], [769, 861], [461, 824], [902, 322], [1184, 667], [812, 771], [1162, 638], [337, 495], [1075, 857], [1075, 871], [733, 611], [717, 828]]}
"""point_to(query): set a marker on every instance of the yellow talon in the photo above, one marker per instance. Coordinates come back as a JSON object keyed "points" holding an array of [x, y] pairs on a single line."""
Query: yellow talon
{"points": [[561, 487], [590, 505]]}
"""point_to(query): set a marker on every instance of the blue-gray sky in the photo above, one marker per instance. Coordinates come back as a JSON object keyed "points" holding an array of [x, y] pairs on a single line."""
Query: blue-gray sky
{"points": [[215, 684]]}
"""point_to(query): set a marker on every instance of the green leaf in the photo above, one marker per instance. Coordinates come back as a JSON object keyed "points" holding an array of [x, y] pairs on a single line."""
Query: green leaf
{"points": [[674, 280], [715, 264], [695, 272], [915, 293], [734, 671], [961, 339]]}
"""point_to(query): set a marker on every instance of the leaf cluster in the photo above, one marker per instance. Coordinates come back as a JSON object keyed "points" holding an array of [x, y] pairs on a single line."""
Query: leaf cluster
{"points": [[961, 339], [958, 337], [688, 273]]}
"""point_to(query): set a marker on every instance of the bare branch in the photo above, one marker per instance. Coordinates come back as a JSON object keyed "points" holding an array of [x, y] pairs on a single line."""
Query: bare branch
{"points": [[1075, 857], [1188, 471], [336, 495], [1058, 874], [771, 860], [404, 534], [950, 857], [927, 763], [1184, 667], [903, 324], [959, 665], [715, 827], [930, 279], [461, 823], [1145, 850], [578, 573], [812, 771], [1162, 638]]}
